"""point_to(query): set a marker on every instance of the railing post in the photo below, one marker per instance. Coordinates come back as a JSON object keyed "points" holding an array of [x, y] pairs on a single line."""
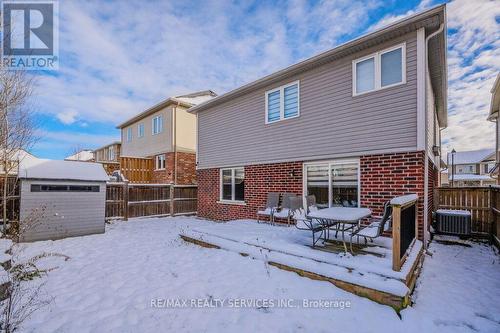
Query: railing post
{"points": [[172, 205], [396, 234], [125, 200]]}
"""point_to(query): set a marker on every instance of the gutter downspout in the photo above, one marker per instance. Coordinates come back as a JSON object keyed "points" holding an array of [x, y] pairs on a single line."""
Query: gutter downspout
{"points": [[174, 131], [426, 168]]}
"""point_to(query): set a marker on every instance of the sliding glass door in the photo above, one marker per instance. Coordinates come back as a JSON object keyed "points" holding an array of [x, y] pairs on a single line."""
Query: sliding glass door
{"points": [[334, 183]]}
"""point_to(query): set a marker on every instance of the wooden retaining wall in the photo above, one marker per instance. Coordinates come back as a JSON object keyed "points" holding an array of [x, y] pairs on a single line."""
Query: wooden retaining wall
{"points": [[124, 200]]}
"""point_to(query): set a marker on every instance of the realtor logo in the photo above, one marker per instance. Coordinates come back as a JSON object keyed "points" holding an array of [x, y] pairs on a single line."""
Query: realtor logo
{"points": [[30, 35]]}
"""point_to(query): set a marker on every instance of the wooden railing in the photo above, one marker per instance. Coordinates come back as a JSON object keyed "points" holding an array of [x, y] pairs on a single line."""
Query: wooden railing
{"points": [[477, 200], [137, 169], [124, 200], [404, 228], [13, 198]]}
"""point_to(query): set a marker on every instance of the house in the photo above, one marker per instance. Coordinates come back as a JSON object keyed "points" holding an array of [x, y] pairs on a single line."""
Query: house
{"points": [[494, 117], [109, 156], [470, 168], [85, 155], [166, 133], [15, 157], [61, 199], [356, 125]]}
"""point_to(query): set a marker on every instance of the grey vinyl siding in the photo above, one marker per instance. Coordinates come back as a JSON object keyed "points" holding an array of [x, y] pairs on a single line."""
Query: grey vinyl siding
{"points": [[66, 213], [331, 123]]}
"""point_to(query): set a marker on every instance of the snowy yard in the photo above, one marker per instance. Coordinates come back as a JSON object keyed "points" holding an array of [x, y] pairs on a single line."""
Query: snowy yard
{"points": [[119, 281]]}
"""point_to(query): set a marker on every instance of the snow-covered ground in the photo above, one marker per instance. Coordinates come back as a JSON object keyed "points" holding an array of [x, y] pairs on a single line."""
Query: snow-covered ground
{"points": [[119, 282]]}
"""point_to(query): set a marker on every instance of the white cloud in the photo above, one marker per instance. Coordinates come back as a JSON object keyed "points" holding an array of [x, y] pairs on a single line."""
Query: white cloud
{"points": [[67, 117]]}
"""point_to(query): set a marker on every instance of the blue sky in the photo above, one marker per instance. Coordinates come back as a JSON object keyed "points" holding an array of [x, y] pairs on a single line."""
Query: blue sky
{"points": [[118, 57]]}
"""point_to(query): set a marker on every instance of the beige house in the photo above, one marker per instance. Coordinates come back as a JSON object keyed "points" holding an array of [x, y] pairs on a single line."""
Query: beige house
{"points": [[469, 168], [166, 133], [494, 117], [109, 156]]}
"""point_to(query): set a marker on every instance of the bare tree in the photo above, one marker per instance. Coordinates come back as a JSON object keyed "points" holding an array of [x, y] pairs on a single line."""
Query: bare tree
{"points": [[17, 128]]}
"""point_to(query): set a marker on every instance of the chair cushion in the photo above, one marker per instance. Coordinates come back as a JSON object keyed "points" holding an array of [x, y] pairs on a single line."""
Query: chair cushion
{"points": [[266, 211], [282, 213]]}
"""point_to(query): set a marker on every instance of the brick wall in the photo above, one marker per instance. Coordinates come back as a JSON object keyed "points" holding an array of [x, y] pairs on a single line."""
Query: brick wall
{"points": [[382, 178], [259, 180], [388, 175], [186, 169]]}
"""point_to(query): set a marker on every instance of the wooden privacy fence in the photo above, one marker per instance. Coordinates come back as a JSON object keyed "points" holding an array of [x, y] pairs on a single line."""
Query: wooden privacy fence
{"points": [[124, 200], [477, 200], [404, 230], [137, 169]]}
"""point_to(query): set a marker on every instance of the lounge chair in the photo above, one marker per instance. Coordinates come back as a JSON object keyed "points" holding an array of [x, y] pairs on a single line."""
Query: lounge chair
{"points": [[272, 202], [375, 228], [285, 212], [302, 221]]}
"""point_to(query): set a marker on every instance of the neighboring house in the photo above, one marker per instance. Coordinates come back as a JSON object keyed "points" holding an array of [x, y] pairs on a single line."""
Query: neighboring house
{"points": [[470, 168], [16, 157], [494, 116], [85, 155], [166, 132], [355, 126], [109, 156]]}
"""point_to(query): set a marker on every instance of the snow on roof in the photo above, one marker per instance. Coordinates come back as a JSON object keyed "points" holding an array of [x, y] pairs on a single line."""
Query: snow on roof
{"points": [[471, 156], [198, 97], [470, 177], [83, 155], [38, 168]]}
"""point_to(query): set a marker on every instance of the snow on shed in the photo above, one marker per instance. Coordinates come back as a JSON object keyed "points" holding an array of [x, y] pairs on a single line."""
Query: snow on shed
{"points": [[61, 199]]}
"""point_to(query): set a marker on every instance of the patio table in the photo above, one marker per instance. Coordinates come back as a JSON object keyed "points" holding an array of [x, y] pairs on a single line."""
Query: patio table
{"points": [[329, 217]]}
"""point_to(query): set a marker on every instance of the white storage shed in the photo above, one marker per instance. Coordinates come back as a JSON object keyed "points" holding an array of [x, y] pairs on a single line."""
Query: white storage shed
{"points": [[61, 199]]}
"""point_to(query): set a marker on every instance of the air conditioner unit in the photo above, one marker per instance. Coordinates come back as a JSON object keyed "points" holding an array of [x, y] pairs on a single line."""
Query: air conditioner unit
{"points": [[453, 222]]}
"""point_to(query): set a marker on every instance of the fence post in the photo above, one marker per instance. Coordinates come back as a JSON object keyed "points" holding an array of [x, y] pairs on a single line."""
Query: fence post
{"points": [[172, 205], [125, 200], [396, 234]]}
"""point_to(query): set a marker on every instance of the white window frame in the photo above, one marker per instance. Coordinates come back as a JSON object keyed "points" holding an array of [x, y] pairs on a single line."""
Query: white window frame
{"points": [[140, 133], [330, 163], [377, 56], [129, 134], [233, 186], [158, 159], [281, 89], [160, 125]]}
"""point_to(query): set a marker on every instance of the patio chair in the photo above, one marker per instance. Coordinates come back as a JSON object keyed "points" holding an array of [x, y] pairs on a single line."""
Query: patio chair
{"points": [[272, 202], [376, 226], [302, 221], [285, 212]]}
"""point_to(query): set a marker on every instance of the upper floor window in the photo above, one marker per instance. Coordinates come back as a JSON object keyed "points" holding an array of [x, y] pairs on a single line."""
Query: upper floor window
{"points": [[140, 130], [157, 124], [232, 184], [282, 102], [129, 134], [380, 70], [111, 154], [160, 162]]}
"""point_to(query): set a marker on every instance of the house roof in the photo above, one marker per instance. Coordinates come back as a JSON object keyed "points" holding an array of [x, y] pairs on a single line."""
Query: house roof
{"points": [[83, 155], [472, 156], [495, 99], [37, 168], [186, 101], [430, 19], [470, 177], [109, 144]]}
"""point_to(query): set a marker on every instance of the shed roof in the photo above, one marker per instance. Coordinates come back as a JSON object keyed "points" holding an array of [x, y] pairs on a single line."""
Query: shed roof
{"points": [[38, 168], [430, 19]]}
